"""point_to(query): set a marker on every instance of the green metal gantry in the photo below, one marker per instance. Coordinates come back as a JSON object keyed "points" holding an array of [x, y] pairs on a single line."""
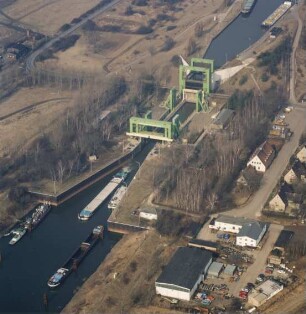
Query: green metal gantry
{"points": [[171, 101], [149, 128]]}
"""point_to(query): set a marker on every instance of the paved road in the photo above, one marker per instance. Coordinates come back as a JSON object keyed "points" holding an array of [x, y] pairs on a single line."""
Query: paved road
{"points": [[297, 123], [31, 59]]}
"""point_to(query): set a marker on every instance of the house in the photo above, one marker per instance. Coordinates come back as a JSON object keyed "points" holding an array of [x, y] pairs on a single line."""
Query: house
{"points": [[223, 118], [251, 234], [249, 177], [264, 292], [148, 213], [301, 155], [183, 274], [262, 157], [16, 51], [279, 202], [296, 173]]}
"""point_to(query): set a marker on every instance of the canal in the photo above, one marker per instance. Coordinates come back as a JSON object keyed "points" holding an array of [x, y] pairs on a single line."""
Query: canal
{"points": [[26, 267], [240, 34]]}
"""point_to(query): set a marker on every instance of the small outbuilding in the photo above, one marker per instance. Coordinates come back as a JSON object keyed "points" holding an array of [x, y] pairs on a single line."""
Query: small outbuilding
{"points": [[229, 270], [215, 270], [283, 240], [223, 119], [148, 213], [202, 244]]}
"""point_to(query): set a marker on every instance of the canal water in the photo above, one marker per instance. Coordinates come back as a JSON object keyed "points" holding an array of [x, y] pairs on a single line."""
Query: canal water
{"points": [[240, 34], [27, 266]]}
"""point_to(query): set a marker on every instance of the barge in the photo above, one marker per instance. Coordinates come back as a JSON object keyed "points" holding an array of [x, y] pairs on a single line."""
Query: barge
{"points": [[62, 273], [277, 14], [40, 212], [117, 197], [89, 210], [247, 6]]}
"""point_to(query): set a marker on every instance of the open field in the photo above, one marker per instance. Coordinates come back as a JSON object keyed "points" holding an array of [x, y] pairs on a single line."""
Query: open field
{"points": [[48, 16], [20, 129], [131, 53]]}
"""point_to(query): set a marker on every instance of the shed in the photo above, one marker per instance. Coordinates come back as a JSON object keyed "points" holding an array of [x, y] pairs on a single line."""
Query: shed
{"points": [[229, 270], [215, 269], [223, 118], [283, 240], [148, 213]]}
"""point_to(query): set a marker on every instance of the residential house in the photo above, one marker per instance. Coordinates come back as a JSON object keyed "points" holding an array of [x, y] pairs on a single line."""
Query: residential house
{"points": [[285, 199], [301, 155], [296, 173], [249, 177], [262, 157]]}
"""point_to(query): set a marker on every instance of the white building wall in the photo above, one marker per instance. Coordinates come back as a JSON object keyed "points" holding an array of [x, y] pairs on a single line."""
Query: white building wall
{"points": [[301, 155], [257, 164], [148, 216], [173, 293], [227, 227], [247, 241]]}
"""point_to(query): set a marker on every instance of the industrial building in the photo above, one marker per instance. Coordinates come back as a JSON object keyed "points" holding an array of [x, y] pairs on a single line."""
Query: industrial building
{"points": [[229, 270], [249, 232], [181, 277], [264, 292]]}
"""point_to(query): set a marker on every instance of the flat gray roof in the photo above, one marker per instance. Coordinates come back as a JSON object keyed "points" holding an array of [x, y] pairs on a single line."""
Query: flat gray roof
{"points": [[215, 268], [233, 220], [229, 269], [224, 116]]}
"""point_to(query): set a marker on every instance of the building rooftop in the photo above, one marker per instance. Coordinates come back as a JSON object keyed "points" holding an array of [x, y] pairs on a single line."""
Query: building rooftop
{"points": [[298, 168], [251, 230], [185, 267], [148, 210], [215, 268], [283, 239], [233, 220], [224, 116], [229, 269]]}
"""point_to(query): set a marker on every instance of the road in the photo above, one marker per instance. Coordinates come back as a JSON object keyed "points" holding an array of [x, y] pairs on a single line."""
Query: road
{"points": [[297, 123], [30, 62], [295, 44]]}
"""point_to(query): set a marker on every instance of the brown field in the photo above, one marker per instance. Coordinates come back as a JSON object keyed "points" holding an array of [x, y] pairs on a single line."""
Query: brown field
{"points": [[20, 129], [47, 16], [134, 53], [115, 286]]}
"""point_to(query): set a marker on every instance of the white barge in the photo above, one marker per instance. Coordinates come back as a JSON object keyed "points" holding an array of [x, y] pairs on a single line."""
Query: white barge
{"points": [[89, 210], [117, 197]]}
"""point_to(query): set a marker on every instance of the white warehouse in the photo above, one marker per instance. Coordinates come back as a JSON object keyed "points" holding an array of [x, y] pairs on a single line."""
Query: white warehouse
{"points": [[249, 232], [182, 276]]}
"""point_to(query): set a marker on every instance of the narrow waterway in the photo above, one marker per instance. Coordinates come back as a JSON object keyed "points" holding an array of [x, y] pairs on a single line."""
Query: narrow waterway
{"points": [[26, 267], [240, 34]]}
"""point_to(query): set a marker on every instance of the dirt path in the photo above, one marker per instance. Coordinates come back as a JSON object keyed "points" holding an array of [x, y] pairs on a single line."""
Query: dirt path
{"points": [[30, 107]]}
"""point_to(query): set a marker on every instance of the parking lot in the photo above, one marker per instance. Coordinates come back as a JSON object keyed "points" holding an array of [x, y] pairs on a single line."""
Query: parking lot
{"points": [[260, 259]]}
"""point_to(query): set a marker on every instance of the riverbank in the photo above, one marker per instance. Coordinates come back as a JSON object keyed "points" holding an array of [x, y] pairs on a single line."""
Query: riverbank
{"points": [[126, 277]]}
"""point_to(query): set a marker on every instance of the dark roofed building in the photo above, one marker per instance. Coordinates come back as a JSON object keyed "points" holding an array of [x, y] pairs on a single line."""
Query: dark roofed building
{"points": [[184, 273], [283, 240], [251, 233], [223, 118], [296, 173]]}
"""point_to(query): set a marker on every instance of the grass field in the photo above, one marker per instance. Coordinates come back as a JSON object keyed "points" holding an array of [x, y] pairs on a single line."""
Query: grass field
{"points": [[47, 16]]}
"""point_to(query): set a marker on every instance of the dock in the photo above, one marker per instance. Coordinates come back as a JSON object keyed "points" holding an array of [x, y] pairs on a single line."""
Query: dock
{"points": [[277, 14]]}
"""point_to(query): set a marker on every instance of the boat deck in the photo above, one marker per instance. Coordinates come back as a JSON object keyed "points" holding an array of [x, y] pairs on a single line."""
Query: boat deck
{"points": [[277, 14]]}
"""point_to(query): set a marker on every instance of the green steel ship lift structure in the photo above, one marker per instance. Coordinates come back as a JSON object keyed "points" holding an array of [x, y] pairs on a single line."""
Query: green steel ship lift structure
{"points": [[194, 86]]}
